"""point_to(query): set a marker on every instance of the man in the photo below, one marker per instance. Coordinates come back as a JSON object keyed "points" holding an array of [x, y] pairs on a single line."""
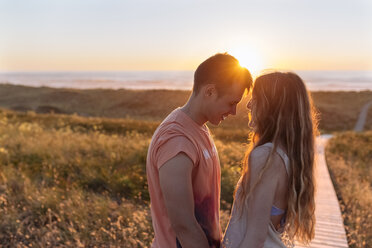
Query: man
{"points": [[183, 169]]}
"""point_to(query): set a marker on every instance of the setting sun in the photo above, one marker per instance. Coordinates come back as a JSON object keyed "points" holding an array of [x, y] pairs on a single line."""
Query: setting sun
{"points": [[248, 58]]}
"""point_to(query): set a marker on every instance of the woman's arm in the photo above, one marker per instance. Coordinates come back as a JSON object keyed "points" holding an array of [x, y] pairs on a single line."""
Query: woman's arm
{"points": [[262, 197]]}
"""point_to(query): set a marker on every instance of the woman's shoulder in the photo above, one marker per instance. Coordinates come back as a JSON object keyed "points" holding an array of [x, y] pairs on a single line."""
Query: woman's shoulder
{"points": [[260, 152], [260, 155]]}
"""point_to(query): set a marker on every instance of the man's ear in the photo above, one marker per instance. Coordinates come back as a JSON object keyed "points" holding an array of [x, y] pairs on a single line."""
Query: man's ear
{"points": [[209, 90]]}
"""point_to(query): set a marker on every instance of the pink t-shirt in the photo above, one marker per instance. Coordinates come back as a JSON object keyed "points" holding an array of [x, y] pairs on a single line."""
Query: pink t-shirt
{"points": [[179, 133]]}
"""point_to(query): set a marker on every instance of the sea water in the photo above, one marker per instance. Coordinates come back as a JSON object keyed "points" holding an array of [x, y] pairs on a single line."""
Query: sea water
{"points": [[180, 80]]}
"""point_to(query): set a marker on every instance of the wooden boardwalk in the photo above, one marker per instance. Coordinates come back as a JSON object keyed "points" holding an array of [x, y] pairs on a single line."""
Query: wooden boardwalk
{"points": [[329, 228], [359, 126]]}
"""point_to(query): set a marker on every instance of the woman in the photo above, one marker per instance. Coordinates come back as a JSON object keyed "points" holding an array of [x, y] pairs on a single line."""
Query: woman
{"points": [[274, 198]]}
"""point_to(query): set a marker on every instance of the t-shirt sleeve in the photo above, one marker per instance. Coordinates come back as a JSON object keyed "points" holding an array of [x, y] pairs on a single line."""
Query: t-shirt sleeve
{"points": [[172, 147]]}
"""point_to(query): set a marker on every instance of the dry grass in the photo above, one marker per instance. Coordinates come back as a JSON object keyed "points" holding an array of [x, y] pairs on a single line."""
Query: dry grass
{"points": [[70, 186], [73, 181], [349, 158], [68, 180], [134, 104], [338, 110]]}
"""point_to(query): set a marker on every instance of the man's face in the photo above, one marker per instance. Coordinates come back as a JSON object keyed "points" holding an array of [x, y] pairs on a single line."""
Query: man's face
{"points": [[224, 104]]}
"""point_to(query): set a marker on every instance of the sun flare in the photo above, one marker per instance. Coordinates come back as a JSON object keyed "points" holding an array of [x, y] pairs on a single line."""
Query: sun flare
{"points": [[249, 59]]}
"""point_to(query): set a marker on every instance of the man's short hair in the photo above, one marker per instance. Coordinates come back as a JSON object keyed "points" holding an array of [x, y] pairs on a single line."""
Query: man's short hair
{"points": [[223, 70]]}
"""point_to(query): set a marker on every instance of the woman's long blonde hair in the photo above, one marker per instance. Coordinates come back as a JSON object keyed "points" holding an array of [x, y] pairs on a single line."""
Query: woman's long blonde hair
{"points": [[284, 114]]}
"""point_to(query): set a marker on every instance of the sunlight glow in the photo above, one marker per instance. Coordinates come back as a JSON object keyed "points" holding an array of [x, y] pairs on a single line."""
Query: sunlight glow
{"points": [[248, 58]]}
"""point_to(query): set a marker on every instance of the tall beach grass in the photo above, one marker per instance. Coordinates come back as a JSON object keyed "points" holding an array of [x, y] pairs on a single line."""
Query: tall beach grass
{"points": [[78, 182], [78, 179], [349, 158]]}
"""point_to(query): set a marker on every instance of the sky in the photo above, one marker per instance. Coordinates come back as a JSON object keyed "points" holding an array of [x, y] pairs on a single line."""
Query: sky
{"points": [[109, 35]]}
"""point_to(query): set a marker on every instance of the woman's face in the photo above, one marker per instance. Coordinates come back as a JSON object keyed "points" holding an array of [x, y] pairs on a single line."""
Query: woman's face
{"points": [[251, 106]]}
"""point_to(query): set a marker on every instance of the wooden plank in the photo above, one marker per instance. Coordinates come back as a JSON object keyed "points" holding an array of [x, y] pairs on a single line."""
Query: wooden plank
{"points": [[329, 227]]}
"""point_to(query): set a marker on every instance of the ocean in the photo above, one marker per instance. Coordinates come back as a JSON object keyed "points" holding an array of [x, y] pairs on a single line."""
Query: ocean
{"points": [[180, 80]]}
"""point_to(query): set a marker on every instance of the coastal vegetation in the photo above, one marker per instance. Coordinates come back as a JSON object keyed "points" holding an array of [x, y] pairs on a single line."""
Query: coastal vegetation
{"points": [[72, 163], [349, 159], [338, 110], [81, 181]]}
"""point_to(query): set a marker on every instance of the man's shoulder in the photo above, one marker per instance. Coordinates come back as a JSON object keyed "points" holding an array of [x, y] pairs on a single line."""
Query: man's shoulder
{"points": [[169, 128], [172, 118], [175, 122]]}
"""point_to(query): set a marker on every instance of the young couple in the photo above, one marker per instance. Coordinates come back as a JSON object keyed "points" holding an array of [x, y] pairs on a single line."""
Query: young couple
{"points": [[275, 194]]}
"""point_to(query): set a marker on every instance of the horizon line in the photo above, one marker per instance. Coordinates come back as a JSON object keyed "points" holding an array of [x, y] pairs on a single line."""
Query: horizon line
{"points": [[170, 70]]}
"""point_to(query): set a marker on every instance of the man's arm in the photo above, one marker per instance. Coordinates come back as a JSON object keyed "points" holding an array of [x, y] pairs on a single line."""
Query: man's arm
{"points": [[176, 186]]}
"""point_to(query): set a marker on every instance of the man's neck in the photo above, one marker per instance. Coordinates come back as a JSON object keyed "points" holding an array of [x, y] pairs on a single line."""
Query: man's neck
{"points": [[192, 109]]}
